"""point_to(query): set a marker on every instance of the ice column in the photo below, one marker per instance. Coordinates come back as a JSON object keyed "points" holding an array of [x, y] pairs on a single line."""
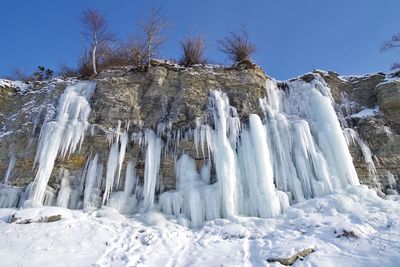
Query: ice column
{"points": [[223, 153], [194, 197], [10, 168], [353, 137], [115, 161], [151, 169], [260, 197], [316, 142], [91, 197], [62, 135]]}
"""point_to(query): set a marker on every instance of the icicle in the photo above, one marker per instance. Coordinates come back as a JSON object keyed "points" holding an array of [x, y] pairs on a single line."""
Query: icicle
{"points": [[9, 196], [223, 154], [234, 127], [312, 103], [123, 141], [130, 178], [49, 198], [25, 194], [152, 166], [196, 136], [126, 201], [194, 198], [93, 181], [64, 195], [62, 135], [391, 181], [260, 197], [205, 173], [353, 137], [280, 141], [112, 165], [10, 168]]}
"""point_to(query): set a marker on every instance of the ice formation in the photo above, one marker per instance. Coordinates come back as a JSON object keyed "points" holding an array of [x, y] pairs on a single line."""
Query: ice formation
{"points": [[352, 137], [9, 196], [94, 176], [298, 152], [258, 193], [193, 198], [126, 201], [391, 180], [10, 168], [315, 131], [63, 135], [293, 150], [64, 195], [152, 166]]}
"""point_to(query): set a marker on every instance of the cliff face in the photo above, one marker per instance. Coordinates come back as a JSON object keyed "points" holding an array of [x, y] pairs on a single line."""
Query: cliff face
{"points": [[370, 105], [169, 99]]}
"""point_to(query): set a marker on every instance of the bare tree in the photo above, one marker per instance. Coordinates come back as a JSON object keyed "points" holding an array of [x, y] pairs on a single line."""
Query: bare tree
{"points": [[237, 45], [18, 74], [154, 27], [392, 44], [193, 51], [96, 32], [65, 70], [395, 66], [40, 74], [85, 67], [137, 50]]}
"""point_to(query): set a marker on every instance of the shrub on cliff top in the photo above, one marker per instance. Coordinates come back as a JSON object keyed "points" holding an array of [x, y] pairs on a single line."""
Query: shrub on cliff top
{"points": [[237, 46], [193, 51]]}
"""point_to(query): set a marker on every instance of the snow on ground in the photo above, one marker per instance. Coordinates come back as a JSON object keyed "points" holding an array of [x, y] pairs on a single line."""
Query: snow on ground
{"points": [[105, 238]]}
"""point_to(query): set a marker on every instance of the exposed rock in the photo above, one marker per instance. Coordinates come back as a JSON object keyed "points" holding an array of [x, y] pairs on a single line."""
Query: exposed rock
{"points": [[46, 219], [347, 234], [292, 259], [175, 97], [389, 99]]}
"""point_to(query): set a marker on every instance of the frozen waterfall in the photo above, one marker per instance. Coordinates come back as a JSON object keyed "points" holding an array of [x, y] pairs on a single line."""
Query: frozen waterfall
{"points": [[297, 151], [62, 135], [292, 150]]}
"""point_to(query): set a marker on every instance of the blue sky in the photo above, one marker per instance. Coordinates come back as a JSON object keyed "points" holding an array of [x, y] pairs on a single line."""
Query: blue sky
{"points": [[292, 36]]}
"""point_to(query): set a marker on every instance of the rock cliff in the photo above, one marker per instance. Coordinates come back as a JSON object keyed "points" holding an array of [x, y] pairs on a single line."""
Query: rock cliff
{"points": [[170, 99]]}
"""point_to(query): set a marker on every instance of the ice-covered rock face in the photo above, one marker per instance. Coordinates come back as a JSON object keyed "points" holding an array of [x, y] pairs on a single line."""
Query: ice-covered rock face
{"points": [[199, 143], [63, 135]]}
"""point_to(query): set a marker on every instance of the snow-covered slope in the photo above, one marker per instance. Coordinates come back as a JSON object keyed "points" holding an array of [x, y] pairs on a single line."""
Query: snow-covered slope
{"points": [[105, 238]]}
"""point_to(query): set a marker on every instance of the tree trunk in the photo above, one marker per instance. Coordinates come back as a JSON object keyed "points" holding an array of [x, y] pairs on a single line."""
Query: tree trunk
{"points": [[94, 59], [149, 51], [94, 53]]}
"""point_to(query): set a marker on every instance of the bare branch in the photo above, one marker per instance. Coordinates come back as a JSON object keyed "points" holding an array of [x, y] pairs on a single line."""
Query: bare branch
{"points": [[392, 43], [193, 51], [137, 49], [395, 66], [85, 67], [237, 46], [96, 32], [132, 52], [65, 70], [18, 74], [154, 28]]}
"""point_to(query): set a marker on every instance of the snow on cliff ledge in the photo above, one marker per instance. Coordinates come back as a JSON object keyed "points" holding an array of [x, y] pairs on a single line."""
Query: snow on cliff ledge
{"points": [[21, 86]]}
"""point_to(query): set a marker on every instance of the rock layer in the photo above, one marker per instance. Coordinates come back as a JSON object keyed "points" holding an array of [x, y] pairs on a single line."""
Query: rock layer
{"points": [[169, 98]]}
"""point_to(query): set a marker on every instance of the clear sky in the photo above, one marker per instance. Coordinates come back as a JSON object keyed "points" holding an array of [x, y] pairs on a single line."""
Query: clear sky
{"points": [[292, 36]]}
